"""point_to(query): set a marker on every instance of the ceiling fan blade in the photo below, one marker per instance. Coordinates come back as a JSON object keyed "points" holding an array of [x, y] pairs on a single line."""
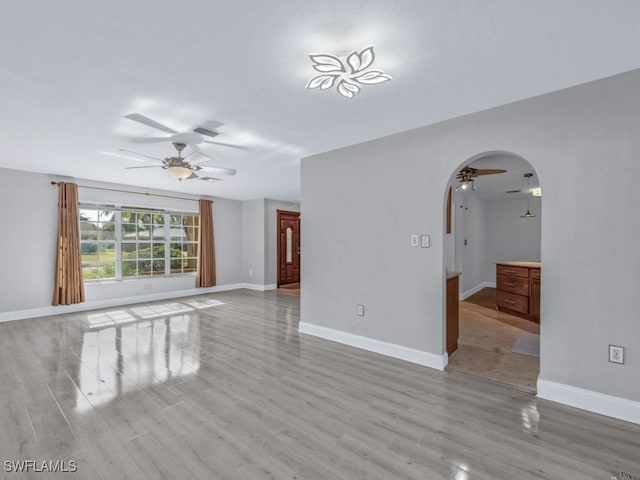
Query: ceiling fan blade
{"points": [[193, 175], [146, 166], [150, 139], [117, 155], [487, 171], [142, 155], [136, 117], [197, 157], [222, 144], [219, 170]]}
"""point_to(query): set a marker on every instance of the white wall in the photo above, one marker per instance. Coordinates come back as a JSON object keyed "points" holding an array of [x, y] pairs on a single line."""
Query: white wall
{"points": [[28, 253], [583, 143], [253, 240], [474, 240], [509, 237]]}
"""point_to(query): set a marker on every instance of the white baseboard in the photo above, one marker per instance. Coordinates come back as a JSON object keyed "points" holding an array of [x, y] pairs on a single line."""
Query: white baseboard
{"points": [[258, 287], [112, 302], [616, 407], [378, 346], [476, 289]]}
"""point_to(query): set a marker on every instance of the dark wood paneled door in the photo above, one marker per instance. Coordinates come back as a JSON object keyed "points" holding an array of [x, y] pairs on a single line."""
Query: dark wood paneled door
{"points": [[288, 247]]}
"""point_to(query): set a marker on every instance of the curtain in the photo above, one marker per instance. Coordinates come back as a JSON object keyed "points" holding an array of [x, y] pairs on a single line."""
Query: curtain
{"points": [[68, 287], [206, 248]]}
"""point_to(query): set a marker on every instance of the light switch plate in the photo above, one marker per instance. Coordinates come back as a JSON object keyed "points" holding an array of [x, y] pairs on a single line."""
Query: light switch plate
{"points": [[616, 354], [425, 241], [360, 310], [415, 240]]}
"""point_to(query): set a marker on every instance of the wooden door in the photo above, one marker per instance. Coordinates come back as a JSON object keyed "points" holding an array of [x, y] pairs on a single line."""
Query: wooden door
{"points": [[288, 247]]}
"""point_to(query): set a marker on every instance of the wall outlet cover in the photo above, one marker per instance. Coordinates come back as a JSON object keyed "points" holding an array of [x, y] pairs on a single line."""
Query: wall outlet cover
{"points": [[616, 354], [415, 240], [425, 241], [360, 310]]}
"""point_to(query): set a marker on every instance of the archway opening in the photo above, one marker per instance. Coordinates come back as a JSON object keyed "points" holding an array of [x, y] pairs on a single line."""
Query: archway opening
{"points": [[492, 249]]}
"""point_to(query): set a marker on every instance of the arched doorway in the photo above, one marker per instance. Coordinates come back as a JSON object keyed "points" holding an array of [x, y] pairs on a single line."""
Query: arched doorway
{"points": [[493, 240]]}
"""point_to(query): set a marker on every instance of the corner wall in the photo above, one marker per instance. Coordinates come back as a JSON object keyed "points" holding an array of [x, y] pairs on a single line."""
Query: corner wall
{"points": [[584, 144]]}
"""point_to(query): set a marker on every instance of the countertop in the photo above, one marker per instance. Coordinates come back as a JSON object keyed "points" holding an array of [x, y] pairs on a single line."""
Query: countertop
{"points": [[520, 264], [453, 275]]}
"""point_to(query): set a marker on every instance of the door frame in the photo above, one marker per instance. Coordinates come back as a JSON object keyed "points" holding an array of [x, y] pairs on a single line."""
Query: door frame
{"points": [[278, 242]]}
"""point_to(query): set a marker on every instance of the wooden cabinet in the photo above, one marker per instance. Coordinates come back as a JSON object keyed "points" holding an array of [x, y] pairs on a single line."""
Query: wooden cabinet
{"points": [[452, 312], [518, 289]]}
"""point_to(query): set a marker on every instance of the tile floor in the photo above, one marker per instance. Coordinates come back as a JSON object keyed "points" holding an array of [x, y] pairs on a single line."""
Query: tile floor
{"points": [[484, 347]]}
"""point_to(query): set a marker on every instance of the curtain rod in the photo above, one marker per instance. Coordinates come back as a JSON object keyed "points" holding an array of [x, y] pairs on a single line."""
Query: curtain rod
{"points": [[129, 191]]}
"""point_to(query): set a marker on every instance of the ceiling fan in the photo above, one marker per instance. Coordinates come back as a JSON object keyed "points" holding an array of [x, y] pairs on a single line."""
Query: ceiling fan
{"points": [[192, 137], [180, 167], [467, 174]]}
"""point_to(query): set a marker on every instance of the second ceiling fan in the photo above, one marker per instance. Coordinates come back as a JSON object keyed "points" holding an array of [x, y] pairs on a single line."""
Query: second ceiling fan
{"points": [[466, 175]]}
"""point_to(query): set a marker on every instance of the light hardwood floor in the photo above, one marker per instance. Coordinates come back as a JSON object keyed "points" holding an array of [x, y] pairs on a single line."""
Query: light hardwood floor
{"points": [[179, 391]]}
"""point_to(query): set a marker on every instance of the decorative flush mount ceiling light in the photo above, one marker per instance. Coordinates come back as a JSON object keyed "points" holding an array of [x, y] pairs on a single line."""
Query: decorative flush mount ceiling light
{"points": [[346, 76]]}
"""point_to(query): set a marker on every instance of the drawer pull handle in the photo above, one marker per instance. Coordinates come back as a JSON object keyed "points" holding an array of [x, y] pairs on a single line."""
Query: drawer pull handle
{"points": [[509, 284], [509, 271], [509, 301]]}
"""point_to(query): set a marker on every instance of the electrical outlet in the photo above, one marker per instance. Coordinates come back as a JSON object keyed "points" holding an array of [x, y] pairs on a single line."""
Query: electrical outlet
{"points": [[360, 310], [425, 241], [616, 354], [414, 240]]}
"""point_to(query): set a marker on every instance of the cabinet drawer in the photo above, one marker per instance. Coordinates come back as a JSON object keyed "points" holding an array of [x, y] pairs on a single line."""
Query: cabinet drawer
{"points": [[519, 303], [535, 273], [513, 271], [511, 284]]}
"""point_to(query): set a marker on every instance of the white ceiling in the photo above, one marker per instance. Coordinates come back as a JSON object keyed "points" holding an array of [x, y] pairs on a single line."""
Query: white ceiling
{"points": [[71, 69]]}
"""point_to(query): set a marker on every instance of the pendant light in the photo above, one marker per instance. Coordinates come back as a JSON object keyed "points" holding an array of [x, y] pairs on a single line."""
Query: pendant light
{"points": [[528, 213]]}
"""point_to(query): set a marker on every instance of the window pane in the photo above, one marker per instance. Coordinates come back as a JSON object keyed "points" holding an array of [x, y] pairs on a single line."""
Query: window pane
{"points": [[129, 269], [107, 252], [176, 219], [144, 251], [88, 231], [129, 251], [159, 232], [89, 249], [128, 217], [107, 231], [158, 219], [89, 272], [144, 218], [189, 265], [144, 232], [191, 249], [158, 250], [158, 267], [107, 216], [176, 250], [107, 270], [144, 267]]}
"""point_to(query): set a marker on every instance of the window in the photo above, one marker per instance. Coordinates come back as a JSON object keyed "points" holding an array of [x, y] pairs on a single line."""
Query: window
{"points": [[97, 243], [129, 242]]}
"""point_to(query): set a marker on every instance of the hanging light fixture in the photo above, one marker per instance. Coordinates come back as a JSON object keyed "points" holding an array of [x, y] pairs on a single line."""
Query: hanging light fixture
{"points": [[528, 213], [465, 184]]}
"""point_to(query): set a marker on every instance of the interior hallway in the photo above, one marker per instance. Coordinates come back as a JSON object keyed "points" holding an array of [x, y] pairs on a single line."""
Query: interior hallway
{"points": [[485, 342]]}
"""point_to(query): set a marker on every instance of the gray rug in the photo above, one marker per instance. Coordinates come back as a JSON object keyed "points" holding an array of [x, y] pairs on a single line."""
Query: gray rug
{"points": [[527, 344]]}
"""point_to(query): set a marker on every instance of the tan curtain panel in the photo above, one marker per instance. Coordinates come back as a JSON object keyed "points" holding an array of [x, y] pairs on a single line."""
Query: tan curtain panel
{"points": [[69, 287], [206, 248]]}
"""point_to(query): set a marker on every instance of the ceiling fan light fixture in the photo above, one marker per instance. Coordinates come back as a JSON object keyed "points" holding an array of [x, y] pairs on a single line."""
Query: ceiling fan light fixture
{"points": [[180, 172], [466, 185], [528, 213]]}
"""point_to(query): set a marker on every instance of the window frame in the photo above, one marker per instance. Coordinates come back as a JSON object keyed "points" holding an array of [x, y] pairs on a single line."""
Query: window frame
{"points": [[166, 242]]}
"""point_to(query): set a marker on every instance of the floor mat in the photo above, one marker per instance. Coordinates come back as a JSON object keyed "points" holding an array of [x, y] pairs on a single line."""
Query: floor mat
{"points": [[527, 344]]}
